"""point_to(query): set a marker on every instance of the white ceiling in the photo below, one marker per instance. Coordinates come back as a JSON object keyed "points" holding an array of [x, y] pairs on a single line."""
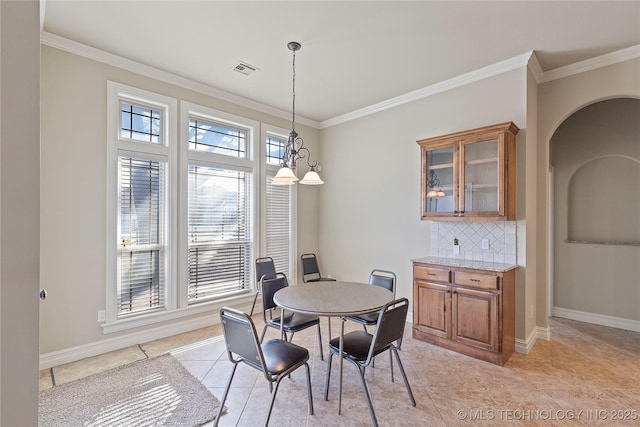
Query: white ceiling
{"points": [[354, 53]]}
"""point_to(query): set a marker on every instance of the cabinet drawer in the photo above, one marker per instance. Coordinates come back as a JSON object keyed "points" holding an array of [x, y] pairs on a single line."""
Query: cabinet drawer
{"points": [[430, 273], [486, 281]]}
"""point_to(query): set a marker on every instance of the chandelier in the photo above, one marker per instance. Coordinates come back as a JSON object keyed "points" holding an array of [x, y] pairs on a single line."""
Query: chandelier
{"points": [[295, 149]]}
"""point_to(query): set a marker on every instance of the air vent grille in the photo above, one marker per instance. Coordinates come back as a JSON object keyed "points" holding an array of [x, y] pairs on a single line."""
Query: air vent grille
{"points": [[244, 68]]}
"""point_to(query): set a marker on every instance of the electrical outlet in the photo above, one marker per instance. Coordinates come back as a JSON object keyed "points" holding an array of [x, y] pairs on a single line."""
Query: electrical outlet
{"points": [[102, 316], [485, 243]]}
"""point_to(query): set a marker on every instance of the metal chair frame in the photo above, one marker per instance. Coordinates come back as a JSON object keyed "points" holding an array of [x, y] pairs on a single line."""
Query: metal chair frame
{"points": [[264, 266], [242, 341], [293, 322], [389, 329]]}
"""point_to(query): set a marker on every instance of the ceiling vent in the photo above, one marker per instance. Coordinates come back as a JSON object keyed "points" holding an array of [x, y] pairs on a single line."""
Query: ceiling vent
{"points": [[244, 68]]}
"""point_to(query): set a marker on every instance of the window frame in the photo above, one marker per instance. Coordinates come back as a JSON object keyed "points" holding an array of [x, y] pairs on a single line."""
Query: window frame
{"points": [[247, 164], [165, 151], [266, 169]]}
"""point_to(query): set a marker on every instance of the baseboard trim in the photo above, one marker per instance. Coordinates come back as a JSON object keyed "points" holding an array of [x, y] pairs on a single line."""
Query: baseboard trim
{"points": [[56, 358], [597, 319], [525, 346]]}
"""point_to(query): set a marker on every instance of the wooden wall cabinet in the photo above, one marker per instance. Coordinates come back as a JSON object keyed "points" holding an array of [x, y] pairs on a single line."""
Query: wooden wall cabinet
{"points": [[466, 310], [470, 175]]}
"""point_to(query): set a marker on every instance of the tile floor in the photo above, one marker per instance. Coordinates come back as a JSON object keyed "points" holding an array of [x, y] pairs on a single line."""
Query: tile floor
{"points": [[586, 375]]}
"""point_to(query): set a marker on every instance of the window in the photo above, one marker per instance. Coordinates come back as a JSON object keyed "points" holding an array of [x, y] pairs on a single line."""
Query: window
{"points": [[141, 225], [185, 222], [219, 232], [278, 203], [219, 212], [139, 188]]}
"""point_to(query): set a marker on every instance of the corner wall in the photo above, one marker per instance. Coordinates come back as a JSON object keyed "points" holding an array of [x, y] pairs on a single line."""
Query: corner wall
{"points": [[560, 98]]}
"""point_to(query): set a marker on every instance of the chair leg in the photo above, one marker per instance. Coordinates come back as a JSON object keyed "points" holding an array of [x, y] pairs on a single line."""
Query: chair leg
{"points": [[374, 420], [404, 376], [391, 365], [224, 396], [306, 365], [273, 398], [320, 342], [264, 331], [326, 388], [254, 304]]}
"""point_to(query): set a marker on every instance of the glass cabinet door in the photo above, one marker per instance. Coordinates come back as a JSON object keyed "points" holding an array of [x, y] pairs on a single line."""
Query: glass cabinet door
{"points": [[481, 176], [440, 181]]}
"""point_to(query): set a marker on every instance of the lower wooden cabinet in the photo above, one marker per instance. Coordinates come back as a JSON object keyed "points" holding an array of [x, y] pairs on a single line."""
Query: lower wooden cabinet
{"points": [[466, 310]]}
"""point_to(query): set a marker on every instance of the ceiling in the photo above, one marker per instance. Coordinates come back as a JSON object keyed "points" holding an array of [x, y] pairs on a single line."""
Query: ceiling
{"points": [[354, 53]]}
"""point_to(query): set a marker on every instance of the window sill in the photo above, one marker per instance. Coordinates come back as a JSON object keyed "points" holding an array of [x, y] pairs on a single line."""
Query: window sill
{"points": [[211, 307]]}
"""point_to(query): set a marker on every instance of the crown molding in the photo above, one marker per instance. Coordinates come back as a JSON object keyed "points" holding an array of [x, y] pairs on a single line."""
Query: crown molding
{"points": [[98, 55], [464, 79], [527, 59], [535, 68], [611, 58]]}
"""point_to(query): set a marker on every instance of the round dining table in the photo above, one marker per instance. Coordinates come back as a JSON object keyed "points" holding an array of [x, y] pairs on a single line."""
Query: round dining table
{"points": [[333, 299]]}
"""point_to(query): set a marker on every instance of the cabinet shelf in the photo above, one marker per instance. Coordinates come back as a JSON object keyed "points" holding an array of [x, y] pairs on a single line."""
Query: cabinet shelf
{"points": [[481, 161], [441, 166]]}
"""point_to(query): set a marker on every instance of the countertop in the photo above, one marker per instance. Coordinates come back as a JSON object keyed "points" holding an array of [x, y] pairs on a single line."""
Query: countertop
{"points": [[466, 263]]}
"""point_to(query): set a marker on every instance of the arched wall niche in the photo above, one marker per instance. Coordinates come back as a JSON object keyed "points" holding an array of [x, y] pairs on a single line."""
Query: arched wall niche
{"points": [[595, 216], [603, 201]]}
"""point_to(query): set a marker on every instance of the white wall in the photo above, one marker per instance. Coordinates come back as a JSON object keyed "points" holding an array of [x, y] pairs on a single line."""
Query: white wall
{"points": [[73, 200], [19, 211], [370, 204]]}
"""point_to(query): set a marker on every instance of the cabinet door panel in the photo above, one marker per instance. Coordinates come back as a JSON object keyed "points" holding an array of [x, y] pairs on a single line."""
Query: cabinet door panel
{"points": [[481, 176], [433, 303], [475, 318]]}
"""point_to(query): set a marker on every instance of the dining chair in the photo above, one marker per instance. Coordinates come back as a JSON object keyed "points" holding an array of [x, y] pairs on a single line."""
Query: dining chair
{"points": [[311, 271], [293, 322], [275, 359], [360, 347], [264, 265], [385, 279]]}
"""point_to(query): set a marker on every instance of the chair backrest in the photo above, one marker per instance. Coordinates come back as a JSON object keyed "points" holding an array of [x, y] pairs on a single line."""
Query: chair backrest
{"points": [[390, 326], [241, 338], [270, 285], [309, 267], [264, 266], [385, 279]]}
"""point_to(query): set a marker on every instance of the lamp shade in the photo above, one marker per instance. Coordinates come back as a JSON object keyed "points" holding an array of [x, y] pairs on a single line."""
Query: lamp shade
{"points": [[311, 178], [285, 176], [432, 193]]}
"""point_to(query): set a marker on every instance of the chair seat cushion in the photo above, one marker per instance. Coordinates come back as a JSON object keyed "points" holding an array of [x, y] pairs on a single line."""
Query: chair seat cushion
{"points": [[281, 355], [356, 345], [366, 319], [294, 322]]}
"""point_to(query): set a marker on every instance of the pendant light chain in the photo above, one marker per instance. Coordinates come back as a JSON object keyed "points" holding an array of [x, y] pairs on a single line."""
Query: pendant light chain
{"points": [[293, 120]]}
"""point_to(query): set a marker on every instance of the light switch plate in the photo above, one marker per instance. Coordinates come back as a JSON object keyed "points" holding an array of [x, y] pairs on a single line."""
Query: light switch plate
{"points": [[456, 249], [485, 243]]}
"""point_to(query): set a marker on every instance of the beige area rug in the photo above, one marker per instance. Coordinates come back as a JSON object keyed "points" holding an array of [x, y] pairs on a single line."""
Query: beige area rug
{"points": [[93, 365], [153, 392]]}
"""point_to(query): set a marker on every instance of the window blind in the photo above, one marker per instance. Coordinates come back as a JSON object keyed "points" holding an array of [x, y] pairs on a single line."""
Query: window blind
{"points": [[278, 224], [141, 230], [219, 234]]}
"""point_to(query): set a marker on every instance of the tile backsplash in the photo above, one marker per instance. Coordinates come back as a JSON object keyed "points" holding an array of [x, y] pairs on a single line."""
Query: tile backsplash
{"points": [[501, 236]]}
